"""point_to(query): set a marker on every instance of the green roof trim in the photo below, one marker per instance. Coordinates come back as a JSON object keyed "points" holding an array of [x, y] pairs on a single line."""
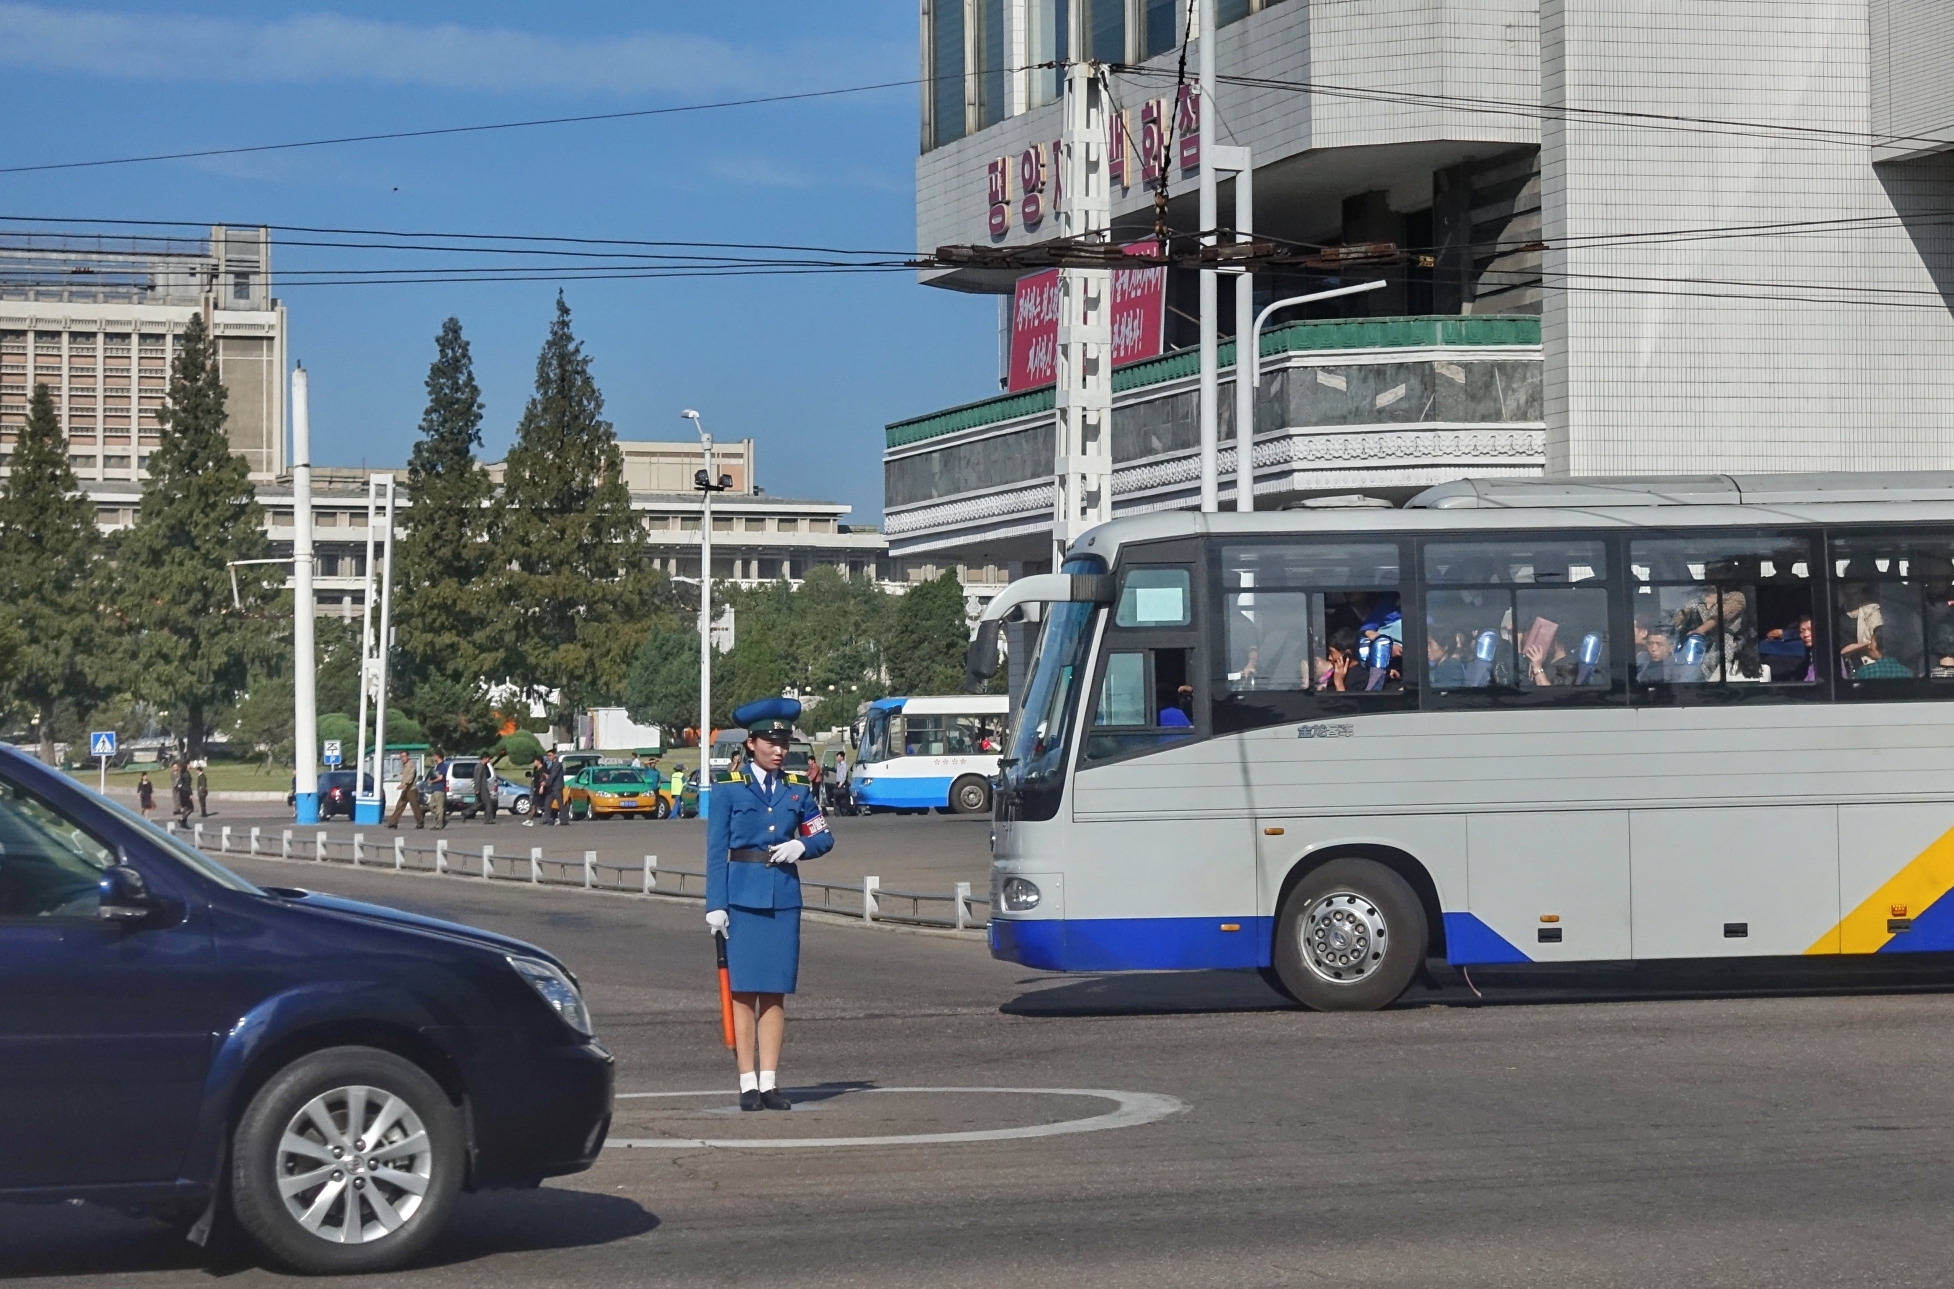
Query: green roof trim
{"points": [[1296, 337]]}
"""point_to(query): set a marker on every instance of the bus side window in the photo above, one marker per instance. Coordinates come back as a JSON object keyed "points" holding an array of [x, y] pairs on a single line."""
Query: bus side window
{"points": [[1721, 616], [1146, 699], [1893, 614], [1523, 616]]}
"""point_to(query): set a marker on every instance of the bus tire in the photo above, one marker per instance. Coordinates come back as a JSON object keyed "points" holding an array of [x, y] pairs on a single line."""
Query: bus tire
{"points": [[970, 795], [1351, 936]]}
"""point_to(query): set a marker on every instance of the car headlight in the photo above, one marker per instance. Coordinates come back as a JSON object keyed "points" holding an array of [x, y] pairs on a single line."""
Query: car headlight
{"points": [[1019, 895], [556, 989]]}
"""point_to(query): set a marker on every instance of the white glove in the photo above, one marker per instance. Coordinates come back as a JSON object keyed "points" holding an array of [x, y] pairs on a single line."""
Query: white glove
{"points": [[787, 852], [717, 922]]}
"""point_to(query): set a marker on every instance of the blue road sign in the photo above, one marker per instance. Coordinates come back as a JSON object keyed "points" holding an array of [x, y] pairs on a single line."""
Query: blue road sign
{"points": [[101, 743], [331, 749]]}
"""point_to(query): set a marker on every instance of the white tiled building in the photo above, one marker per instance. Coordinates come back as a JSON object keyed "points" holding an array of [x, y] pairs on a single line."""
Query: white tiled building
{"points": [[1726, 221], [97, 320]]}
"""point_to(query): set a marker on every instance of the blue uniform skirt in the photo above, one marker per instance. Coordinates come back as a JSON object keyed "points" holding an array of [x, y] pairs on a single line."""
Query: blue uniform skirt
{"points": [[763, 949]]}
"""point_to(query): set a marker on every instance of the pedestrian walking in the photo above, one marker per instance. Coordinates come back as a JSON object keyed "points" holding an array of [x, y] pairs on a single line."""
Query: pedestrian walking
{"points": [[761, 827], [410, 795], [437, 795], [203, 790], [559, 799], [539, 782], [485, 786], [145, 795]]}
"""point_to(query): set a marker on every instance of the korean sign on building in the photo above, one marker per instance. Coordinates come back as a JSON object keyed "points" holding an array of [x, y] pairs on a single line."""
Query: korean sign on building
{"points": [[1139, 317], [1021, 190]]}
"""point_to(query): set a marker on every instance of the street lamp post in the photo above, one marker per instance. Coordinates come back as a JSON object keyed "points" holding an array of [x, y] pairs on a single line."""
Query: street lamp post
{"points": [[705, 482], [305, 715], [1248, 357]]}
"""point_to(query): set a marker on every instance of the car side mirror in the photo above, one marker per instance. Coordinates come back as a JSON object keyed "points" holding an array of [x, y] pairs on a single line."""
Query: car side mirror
{"points": [[125, 895]]}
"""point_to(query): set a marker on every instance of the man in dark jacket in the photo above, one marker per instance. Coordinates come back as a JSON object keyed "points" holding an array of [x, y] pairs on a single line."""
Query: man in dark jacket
{"points": [[559, 799], [485, 788]]}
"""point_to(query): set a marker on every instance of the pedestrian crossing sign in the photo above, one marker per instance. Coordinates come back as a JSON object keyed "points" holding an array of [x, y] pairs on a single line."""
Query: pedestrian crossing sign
{"points": [[101, 743]]}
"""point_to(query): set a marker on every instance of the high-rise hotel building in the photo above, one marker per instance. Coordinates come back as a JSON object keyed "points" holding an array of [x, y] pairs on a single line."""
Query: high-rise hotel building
{"points": [[97, 320]]}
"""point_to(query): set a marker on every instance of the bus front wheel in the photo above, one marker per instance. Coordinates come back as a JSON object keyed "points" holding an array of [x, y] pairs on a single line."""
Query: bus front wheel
{"points": [[1350, 937], [970, 795]]}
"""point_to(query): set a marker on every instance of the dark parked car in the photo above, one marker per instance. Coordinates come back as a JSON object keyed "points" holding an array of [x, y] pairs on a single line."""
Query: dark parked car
{"points": [[336, 795], [178, 1040]]}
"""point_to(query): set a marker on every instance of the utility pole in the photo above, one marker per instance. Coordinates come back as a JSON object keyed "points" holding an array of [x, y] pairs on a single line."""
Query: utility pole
{"points": [[704, 481], [1238, 162], [1210, 388], [1083, 470], [305, 715], [368, 808]]}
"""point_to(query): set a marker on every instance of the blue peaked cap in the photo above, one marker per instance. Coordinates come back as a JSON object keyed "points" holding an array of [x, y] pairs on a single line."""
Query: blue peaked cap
{"points": [[768, 713]]}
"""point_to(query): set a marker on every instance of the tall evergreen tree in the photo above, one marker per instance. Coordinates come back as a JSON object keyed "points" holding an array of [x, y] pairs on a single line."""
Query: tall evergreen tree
{"points": [[577, 581], [50, 575], [192, 645], [927, 638], [447, 632]]}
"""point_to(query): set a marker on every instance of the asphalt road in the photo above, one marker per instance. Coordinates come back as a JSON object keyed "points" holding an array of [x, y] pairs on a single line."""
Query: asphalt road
{"points": [[1757, 1139]]}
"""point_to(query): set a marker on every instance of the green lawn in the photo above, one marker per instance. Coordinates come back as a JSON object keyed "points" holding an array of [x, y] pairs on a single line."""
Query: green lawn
{"points": [[225, 776]]}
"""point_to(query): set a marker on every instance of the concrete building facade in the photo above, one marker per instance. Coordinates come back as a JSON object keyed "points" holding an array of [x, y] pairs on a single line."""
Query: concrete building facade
{"points": [[1725, 225], [98, 320]]}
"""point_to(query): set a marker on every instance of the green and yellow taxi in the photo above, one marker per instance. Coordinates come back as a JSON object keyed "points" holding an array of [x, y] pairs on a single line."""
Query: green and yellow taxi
{"points": [[603, 791]]}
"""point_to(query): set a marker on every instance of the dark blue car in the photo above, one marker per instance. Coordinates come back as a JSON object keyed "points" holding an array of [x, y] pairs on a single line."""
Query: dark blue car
{"points": [[333, 1074]]}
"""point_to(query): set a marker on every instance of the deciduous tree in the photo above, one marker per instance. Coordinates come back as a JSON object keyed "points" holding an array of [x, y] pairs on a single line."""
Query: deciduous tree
{"points": [[928, 638]]}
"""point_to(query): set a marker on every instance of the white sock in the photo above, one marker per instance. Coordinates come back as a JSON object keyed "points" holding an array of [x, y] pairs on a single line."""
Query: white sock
{"points": [[766, 1080], [751, 1082]]}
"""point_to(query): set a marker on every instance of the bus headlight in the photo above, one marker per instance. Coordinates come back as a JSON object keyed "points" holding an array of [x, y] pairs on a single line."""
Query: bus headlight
{"points": [[1019, 895]]}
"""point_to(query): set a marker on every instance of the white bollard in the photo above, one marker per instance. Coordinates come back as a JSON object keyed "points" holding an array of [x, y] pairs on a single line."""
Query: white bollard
{"points": [[870, 905], [488, 861], [589, 863], [224, 840], [400, 853], [197, 836], [359, 849], [254, 840], [285, 845], [319, 848], [441, 855], [535, 865], [963, 905], [651, 873]]}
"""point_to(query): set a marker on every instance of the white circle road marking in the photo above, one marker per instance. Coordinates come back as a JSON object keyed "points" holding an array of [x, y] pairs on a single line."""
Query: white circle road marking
{"points": [[1131, 1109]]}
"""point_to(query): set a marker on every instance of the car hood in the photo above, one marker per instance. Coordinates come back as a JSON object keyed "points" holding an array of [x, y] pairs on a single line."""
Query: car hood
{"points": [[414, 921]]}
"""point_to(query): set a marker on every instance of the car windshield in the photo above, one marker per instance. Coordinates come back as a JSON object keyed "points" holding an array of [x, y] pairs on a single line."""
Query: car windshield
{"points": [[619, 776]]}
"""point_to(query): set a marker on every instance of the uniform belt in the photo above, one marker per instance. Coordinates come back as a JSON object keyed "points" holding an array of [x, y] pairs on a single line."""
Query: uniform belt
{"points": [[750, 856]]}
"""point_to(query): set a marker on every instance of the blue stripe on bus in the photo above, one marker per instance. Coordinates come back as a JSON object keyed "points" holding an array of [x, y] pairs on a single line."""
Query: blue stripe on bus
{"points": [[1469, 941], [1930, 932], [1132, 944], [902, 792]]}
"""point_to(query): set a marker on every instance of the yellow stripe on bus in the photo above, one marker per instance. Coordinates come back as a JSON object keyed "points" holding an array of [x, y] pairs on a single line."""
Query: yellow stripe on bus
{"points": [[1926, 877]]}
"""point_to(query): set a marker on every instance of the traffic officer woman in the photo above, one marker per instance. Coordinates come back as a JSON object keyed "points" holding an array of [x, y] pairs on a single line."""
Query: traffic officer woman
{"points": [[759, 827]]}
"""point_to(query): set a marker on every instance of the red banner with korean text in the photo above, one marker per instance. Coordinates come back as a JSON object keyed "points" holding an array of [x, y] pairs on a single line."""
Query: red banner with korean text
{"points": [[1139, 318]]}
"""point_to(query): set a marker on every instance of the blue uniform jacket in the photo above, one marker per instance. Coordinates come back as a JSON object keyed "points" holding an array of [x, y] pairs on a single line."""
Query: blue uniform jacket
{"points": [[743, 818]]}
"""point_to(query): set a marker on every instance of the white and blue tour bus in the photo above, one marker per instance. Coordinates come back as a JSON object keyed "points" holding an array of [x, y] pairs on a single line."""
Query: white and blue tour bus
{"points": [[1508, 722], [929, 753]]}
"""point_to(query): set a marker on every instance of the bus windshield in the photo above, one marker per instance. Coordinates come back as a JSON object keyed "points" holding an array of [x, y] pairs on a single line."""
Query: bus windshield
{"points": [[1035, 775]]}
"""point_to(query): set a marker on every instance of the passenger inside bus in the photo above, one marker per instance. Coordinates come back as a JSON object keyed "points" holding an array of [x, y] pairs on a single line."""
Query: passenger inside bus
{"points": [[1338, 641]]}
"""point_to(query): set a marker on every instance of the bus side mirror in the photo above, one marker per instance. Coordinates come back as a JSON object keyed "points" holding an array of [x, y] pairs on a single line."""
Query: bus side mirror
{"points": [[980, 664]]}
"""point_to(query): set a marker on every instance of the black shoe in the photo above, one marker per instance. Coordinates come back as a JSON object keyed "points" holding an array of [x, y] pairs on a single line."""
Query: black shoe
{"points": [[751, 1100], [773, 1100]]}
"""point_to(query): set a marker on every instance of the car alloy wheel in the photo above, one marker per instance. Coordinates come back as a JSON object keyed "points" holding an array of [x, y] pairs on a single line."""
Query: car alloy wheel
{"points": [[354, 1164]]}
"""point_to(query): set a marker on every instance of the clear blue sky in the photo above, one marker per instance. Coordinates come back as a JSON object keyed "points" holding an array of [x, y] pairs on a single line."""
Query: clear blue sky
{"points": [[811, 367]]}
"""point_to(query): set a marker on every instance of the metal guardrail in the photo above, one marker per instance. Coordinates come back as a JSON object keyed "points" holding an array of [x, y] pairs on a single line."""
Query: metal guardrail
{"points": [[867, 900]]}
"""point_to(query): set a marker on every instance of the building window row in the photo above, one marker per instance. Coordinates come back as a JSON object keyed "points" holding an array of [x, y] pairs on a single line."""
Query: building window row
{"points": [[986, 58]]}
